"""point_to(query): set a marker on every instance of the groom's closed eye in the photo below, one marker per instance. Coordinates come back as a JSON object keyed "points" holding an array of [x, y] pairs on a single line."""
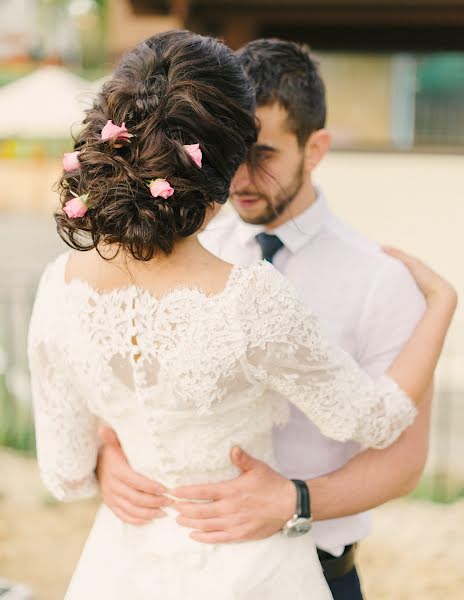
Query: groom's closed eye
{"points": [[260, 153]]}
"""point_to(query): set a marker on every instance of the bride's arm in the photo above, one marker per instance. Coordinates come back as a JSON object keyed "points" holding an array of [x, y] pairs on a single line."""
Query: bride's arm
{"points": [[263, 500], [414, 367], [294, 359], [66, 431]]}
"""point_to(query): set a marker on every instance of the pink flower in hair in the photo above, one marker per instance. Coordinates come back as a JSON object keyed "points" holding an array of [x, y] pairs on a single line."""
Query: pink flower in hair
{"points": [[113, 132], [160, 187], [76, 207], [70, 161], [195, 153]]}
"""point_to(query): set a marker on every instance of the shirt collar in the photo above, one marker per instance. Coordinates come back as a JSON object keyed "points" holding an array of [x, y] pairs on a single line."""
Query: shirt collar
{"points": [[296, 232]]}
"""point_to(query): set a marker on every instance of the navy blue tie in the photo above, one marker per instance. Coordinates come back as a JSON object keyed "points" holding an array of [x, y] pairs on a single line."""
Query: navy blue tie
{"points": [[269, 244]]}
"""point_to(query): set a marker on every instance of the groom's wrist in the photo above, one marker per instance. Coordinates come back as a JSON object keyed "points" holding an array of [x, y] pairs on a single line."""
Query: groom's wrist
{"points": [[288, 501], [291, 505], [323, 498], [300, 522], [303, 501]]}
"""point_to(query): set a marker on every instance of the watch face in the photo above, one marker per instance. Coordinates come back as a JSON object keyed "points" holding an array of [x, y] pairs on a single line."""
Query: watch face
{"points": [[298, 527]]}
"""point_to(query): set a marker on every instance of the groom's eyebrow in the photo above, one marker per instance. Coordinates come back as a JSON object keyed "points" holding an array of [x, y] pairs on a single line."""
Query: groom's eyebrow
{"points": [[265, 148]]}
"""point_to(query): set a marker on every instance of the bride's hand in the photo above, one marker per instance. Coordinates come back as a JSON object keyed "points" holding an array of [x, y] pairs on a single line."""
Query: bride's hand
{"points": [[434, 287]]}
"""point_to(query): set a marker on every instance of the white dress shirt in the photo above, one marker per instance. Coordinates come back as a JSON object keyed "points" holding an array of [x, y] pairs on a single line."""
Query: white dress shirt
{"points": [[367, 303]]}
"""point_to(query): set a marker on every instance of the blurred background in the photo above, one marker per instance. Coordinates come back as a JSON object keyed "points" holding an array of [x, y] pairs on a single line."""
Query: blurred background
{"points": [[394, 72]]}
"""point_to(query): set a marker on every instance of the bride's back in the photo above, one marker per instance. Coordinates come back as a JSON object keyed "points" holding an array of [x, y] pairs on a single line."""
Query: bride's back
{"points": [[190, 265], [167, 370]]}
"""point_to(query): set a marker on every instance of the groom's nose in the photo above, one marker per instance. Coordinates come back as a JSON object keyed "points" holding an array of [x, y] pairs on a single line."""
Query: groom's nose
{"points": [[241, 180]]}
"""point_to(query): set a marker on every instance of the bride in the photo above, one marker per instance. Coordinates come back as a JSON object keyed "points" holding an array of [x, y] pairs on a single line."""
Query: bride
{"points": [[180, 353]]}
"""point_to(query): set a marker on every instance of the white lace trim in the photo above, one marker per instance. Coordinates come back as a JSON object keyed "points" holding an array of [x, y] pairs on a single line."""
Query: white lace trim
{"points": [[183, 377]]}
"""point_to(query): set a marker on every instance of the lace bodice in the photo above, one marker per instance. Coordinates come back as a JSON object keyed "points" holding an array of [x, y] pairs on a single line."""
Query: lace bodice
{"points": [[183, 378]]}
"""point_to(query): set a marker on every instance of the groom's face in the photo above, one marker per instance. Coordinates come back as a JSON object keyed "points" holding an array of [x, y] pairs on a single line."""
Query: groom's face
{"points": [[262, 193]]}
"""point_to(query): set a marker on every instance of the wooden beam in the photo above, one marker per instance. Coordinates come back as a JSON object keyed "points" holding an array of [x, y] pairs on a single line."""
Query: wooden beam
{"points": [[331, 15], [180, 9]]}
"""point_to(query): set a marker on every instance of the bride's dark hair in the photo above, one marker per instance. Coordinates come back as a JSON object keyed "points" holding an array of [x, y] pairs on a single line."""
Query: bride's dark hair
{"points": [[174, 88]]}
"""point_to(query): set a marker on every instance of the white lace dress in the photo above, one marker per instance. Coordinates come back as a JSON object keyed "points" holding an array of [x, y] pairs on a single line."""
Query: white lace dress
{"points": [[181, 379]]}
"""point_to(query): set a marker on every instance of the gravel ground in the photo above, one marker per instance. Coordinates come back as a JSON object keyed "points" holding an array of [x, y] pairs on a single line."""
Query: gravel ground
{"points": [[415, 553]]}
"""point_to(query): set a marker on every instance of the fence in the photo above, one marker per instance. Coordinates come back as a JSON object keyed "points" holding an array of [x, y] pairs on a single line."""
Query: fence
{"points": [[440, 118], [16, 428]]}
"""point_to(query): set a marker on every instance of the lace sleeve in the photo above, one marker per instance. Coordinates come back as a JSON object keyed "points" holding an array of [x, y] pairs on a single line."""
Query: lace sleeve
{"points": [[289, 355], [66, 431]]}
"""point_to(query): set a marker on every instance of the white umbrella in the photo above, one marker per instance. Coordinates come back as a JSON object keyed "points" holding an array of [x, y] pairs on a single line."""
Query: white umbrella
{"points": [[46, 103]]}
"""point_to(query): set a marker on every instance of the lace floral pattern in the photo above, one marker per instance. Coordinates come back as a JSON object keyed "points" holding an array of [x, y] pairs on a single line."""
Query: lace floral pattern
{"points": [[184, 377]]}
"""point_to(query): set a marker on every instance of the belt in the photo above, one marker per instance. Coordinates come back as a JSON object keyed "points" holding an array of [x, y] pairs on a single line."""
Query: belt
{"points": [[337, 566]]}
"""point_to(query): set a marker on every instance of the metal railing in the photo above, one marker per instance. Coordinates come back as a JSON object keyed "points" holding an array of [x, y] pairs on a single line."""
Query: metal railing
{"points": [[16, 422], [439, 118]]}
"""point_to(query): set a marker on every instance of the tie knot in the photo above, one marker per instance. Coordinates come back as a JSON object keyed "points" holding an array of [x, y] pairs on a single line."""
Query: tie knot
{"points": [[269, 244]]}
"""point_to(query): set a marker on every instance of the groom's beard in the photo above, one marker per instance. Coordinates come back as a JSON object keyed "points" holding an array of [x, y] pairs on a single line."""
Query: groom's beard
{"points": [[276, 207]]}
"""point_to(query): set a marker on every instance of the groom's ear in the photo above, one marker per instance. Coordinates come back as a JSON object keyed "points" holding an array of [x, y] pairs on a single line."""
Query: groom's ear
{"points": [[316, 148]]}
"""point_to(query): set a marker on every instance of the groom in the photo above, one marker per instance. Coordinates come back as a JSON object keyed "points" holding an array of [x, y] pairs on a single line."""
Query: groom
{"points": [[367, 303]]}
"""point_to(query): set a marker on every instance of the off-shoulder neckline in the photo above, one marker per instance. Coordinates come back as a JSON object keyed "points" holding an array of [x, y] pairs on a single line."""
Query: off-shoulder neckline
{"points": [[137, 291]]}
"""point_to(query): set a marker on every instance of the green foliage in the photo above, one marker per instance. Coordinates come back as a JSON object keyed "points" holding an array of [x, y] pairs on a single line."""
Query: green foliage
{"points": [[438, 487], [16, 422], [10, 73]]}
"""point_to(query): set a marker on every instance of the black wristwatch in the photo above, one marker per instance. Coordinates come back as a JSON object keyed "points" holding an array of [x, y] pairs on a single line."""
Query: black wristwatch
{"points": [[301, 521]]}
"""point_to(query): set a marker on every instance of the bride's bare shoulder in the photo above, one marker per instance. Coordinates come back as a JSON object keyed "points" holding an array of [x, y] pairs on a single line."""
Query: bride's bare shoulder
{"points": [[82, 265], [101, 273]]}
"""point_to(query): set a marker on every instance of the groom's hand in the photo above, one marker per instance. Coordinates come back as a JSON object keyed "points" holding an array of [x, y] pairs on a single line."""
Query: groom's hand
{"points": [[253, 506], [133, 498]]}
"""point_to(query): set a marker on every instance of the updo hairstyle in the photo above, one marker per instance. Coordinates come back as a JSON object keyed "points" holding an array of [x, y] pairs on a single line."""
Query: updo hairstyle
{"points": [[174, 88]]}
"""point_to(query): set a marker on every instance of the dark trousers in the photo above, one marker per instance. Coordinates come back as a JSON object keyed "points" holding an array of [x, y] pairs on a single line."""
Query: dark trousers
{"points": [[347, 587]]}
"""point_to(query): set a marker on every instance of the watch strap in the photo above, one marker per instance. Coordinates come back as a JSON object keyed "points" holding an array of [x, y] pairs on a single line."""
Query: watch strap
{"points": [[303, 500]]}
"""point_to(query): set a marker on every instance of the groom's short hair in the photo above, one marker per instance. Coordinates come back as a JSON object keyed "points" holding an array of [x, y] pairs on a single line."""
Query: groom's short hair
{"points": [[287, 73]]}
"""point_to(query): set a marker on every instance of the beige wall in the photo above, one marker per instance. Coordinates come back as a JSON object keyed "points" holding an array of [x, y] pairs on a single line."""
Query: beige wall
{"points": [[126, 29], [414, 201], [359, 98], [26, 185]]}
